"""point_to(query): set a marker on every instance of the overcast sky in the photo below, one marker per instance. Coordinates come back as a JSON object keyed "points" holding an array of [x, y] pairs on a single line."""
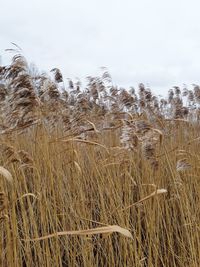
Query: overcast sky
{"points": [[156, 42]]}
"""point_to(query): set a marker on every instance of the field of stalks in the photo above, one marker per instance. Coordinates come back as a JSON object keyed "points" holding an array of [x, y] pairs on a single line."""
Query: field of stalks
{"points": [[97, 175]]}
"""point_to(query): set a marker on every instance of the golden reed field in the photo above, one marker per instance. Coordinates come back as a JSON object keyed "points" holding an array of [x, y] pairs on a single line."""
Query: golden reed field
{"points": [[97, 175]]}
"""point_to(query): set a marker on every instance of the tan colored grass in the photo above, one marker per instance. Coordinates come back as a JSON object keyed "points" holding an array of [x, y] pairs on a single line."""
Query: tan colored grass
{"points": [[97, 179], [99, 230], [6, 174], [156, 192]]}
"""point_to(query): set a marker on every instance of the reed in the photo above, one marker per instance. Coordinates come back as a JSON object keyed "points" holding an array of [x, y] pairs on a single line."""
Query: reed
{"points": [[97, 176]]}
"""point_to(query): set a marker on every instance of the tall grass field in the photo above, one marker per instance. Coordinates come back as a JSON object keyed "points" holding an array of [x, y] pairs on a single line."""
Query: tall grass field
{"points": [[97, 175]]}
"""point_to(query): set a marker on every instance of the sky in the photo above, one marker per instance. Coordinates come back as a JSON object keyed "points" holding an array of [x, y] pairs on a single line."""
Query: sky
{"points": [[156, 42]]}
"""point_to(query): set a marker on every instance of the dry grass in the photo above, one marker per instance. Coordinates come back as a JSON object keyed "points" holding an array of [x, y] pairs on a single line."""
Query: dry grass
{"points": [[83, 170]]}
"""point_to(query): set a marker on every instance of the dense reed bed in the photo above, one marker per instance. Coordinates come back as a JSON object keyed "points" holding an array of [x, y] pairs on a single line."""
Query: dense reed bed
{"points": [[97, 176]]}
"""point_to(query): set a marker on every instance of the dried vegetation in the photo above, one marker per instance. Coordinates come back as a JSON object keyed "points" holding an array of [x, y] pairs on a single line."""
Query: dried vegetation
{"points": [[80, 164]]}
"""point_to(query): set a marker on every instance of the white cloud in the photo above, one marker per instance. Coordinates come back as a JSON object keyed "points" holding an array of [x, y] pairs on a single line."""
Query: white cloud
{"points": [[156, 42]]}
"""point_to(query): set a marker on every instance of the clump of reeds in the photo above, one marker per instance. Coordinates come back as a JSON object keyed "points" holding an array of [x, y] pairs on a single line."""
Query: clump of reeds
{"points": [[96, 176]]}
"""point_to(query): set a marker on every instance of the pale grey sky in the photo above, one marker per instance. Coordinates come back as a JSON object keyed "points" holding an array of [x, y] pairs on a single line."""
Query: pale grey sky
{"points": [[156, 42]]}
